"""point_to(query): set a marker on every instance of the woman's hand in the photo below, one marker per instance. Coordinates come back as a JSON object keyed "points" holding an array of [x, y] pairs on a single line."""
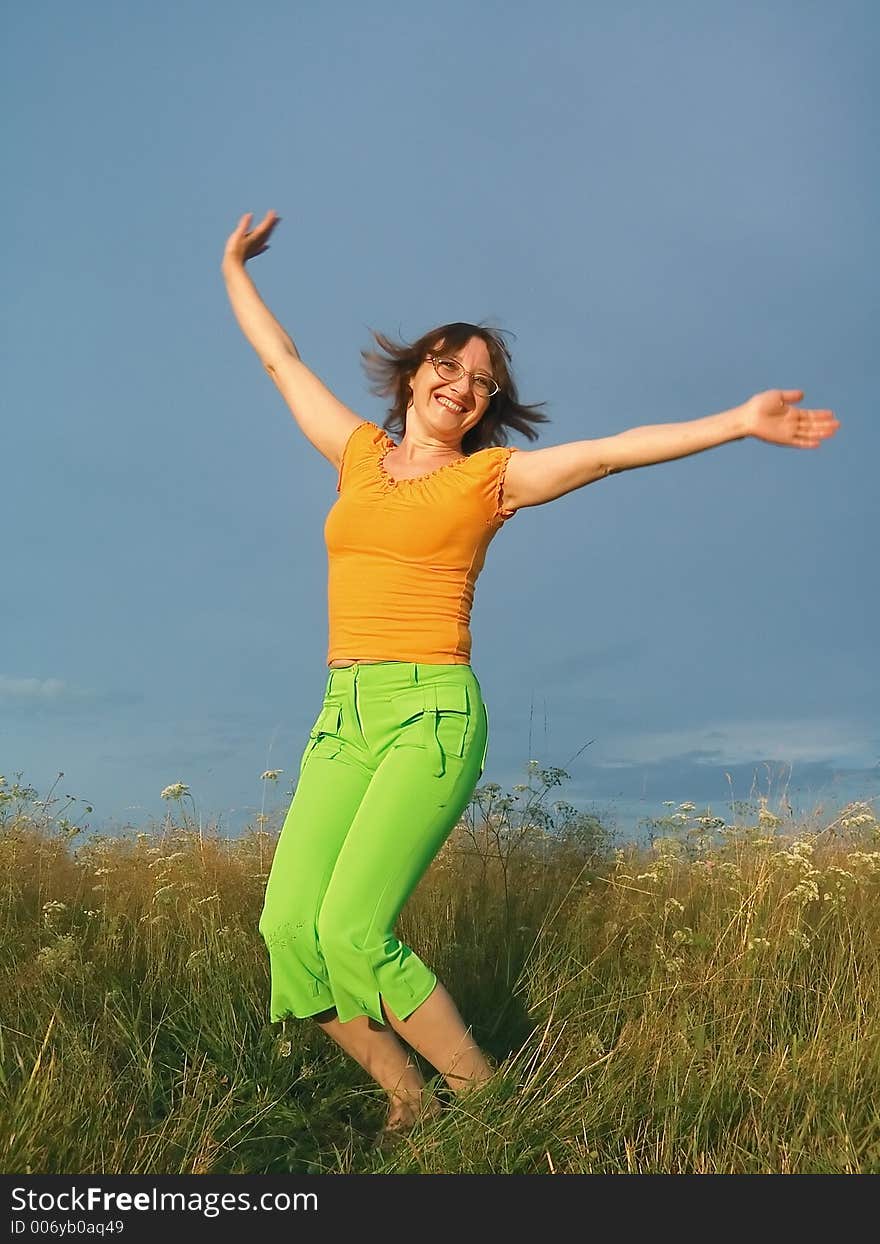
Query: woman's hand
{"points": [[242, 246], [770, 417]]}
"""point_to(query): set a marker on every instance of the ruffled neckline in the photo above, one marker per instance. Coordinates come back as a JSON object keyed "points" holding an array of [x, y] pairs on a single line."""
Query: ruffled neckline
{"points": [[385, 444]]}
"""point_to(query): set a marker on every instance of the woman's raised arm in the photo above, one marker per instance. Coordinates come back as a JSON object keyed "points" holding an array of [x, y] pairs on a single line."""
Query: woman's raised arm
{"points": [[540, 475], [255, 319], [322, 418]]}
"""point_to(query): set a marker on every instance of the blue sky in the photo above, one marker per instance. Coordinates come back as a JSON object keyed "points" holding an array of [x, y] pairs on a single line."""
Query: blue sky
{"points": [[672, 207]]}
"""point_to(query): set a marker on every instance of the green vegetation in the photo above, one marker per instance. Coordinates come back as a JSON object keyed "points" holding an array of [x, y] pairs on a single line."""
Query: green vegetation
{"points": [[709, 1003]]}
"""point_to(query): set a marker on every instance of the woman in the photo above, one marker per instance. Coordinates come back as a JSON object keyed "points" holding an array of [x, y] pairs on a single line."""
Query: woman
{"points": [[400, 741]]}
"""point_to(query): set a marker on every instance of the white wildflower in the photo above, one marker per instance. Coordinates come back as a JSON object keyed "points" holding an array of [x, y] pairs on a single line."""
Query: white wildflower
{"points": [[51, 910], [592, 1043], [167, 859], [870, 860], [854, 815], [801, 846], [806, 891], [177, 790]]}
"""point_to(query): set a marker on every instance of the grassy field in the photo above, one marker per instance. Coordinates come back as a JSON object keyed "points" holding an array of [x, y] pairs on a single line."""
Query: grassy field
{"points": [[708, 1003]]}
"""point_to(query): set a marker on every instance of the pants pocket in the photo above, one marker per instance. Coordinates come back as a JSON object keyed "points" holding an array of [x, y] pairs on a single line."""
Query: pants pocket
{"points": [[325, 733], [435, 718]]}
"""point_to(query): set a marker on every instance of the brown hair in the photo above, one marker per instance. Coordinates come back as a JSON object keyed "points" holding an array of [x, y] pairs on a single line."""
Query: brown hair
{"points": [[391, 371]]}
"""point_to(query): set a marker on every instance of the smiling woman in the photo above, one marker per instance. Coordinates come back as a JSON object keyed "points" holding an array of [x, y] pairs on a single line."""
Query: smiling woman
{"points": [[396, 367], [400, 741]]}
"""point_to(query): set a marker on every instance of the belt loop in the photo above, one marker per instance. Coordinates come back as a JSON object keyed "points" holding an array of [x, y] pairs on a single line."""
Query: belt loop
{"points": [[414, 673]]}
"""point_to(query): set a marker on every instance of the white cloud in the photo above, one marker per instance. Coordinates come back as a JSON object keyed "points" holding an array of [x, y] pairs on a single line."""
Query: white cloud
{"points": [[34, 696], [33, 688], [792, 741]]}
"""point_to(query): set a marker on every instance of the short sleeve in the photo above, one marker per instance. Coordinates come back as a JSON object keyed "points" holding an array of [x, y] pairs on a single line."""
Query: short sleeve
{"points": [[501, 457], [347, 452]]}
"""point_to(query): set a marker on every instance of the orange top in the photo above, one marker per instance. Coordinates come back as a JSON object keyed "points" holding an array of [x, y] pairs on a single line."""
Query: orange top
{"points": [[404, 555]]}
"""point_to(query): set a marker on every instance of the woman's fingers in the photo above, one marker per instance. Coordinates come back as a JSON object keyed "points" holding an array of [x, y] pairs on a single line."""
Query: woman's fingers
{"points": [[265, 227], [824, 422], [815, 426], [820, 418]]}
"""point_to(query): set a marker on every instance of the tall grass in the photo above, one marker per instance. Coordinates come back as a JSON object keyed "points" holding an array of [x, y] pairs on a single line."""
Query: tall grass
{"points": [[706, 1004]]}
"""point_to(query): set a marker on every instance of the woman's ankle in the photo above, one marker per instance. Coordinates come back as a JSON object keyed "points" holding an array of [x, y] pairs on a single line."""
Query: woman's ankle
{"points": [[469, 1072]]}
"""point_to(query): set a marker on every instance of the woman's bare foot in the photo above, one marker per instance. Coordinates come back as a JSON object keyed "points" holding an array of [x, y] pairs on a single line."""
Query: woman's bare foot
{"points": [[406, 1109]]}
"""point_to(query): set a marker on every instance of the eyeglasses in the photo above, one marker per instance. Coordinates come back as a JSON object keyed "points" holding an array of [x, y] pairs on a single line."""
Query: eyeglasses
{"points": [[451, 369]]}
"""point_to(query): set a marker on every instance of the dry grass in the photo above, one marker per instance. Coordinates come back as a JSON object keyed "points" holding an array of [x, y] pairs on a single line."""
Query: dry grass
{"points": [[707, 1005]]}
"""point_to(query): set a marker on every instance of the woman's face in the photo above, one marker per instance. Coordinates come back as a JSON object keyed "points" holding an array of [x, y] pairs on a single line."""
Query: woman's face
{"points": [[449, 408]]}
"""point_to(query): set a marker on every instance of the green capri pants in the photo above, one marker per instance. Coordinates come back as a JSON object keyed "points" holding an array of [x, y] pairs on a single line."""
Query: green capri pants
{"points": [[390, 765]]}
